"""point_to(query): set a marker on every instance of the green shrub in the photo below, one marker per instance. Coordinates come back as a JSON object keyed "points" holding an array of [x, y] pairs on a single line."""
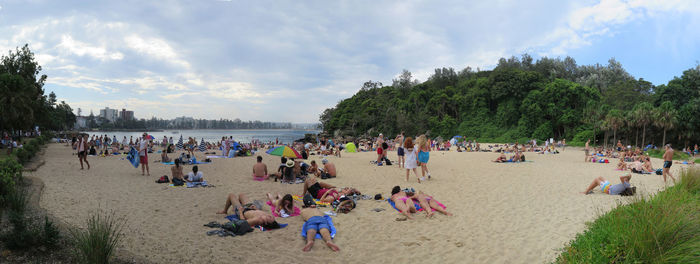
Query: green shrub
{"points": [[51, 234], [10, 174], [659, 153], [97, 242], [583, 136], [664, 228]]}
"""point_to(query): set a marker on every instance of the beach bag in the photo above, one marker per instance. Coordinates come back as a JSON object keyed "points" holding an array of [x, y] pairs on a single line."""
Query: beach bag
{"points": [[238, 227], [163, 179], [387, 162], [659, 172]]}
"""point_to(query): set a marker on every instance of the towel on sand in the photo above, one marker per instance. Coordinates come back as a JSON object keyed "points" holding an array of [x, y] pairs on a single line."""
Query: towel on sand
{"points": [[418, 208], [296, 212], [305, 228]]}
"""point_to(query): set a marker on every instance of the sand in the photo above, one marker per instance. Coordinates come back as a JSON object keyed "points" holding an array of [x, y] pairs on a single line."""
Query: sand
{"points": [[503, 213]]}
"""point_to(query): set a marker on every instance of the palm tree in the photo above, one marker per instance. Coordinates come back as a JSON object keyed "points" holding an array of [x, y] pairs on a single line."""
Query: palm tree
{"points": [[631, 122], [615, 120], [643, 114], [666, 118]]}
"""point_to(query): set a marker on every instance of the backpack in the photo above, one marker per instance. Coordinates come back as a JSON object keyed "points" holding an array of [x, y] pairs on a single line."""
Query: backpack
{"points": [[238, 227], [163, 179], [387, 162], [659, 172]]}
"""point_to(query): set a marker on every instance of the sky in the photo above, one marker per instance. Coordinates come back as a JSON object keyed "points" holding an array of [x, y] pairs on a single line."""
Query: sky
{"points": [[287, 61]]}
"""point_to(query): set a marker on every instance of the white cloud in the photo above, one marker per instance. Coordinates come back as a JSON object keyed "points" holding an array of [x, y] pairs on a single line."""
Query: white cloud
{"points": [[82, 49], [157, 48]]}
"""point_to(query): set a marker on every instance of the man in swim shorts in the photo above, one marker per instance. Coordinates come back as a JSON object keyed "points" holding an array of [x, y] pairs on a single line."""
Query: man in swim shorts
{"points": [[316, 223], [607, 187], [400, 151], [248, 211], [668, 161]]}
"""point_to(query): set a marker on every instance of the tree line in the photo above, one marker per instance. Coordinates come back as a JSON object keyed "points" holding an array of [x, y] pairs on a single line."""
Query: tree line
{"points": [[520, 100], [23, 103]]}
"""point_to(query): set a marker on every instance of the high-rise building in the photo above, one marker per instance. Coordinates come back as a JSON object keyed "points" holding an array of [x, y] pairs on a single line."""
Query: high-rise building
{"points": [[109, 114], [126, 115]]}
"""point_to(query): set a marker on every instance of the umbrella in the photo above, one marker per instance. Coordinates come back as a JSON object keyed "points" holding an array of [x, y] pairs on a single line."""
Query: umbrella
{"points": [[151, 137], [284, 151], [180, 145], [203, 146]]}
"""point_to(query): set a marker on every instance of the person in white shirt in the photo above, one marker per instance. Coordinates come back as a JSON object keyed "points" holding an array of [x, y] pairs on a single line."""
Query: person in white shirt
{"points": [[195, 175], [143, 154]]}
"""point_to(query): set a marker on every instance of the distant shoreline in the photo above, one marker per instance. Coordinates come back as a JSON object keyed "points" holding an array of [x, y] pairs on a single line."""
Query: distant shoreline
{"points": [[189, 129]]}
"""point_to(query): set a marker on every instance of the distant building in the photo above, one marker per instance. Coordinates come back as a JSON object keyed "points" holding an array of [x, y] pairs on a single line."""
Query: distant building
{"points": [[126, 115], [109, 114], [182, 121]]}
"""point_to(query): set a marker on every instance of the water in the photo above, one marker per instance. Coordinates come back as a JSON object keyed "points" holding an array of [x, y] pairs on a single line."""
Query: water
{"points": [[213, 135]]}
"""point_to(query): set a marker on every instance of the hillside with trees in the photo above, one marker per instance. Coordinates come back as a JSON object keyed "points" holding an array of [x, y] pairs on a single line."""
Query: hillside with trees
{"points": [[522, 100]]}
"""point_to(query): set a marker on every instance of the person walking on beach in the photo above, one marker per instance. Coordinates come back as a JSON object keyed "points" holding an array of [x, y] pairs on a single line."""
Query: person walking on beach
{"points": [[423, 155], [400, 149], [82, 147], [411, 162], [668, 161], [143, 154]]}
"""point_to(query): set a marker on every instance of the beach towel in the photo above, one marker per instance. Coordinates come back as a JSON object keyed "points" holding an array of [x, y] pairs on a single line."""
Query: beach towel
{"points": [[235, 217], [198, 162], [260, 178], [331, 228], [133, 157], [197, 184], [418, 208], [301, 199], [217, 157], [296, 212]]}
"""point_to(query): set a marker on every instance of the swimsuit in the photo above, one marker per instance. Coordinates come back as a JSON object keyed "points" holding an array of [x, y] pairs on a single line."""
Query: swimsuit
{"points": [[248, 207], [605, 186], [317, 223], [314, 189], [667, 164], [423, 156]]}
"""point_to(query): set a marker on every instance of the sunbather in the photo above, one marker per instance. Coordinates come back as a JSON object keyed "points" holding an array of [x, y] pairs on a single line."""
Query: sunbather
{"points": [[501, 158], [283, 204], [326, 192], [622, 165], [402, 203], [427, 202], [316, 223], [608, 188], [248, 211], [260, 169]]}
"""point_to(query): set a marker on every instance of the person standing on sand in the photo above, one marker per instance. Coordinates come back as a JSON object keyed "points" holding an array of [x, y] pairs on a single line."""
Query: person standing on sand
{"points": [[668, 161], [587, 149], [143, 154], [82, 147], [400, 150], [411, 159], [423, 155]]}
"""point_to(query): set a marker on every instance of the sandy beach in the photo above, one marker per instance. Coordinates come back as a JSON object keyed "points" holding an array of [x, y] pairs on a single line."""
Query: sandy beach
{"points": [[503, 213]]}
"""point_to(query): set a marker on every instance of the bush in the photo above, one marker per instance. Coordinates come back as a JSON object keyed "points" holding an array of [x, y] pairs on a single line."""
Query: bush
{"points": [[96, 244], [51, 234], [659, 153], [664, 228], [10, 174], [583, 136]]}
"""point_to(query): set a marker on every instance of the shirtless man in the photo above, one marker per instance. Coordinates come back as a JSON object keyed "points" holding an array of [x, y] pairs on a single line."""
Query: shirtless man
{"points": [[247, 211], [177, 171], [400, 151], [668, 161], [260, 169], [315, 222], [328, 170], [587, 149]]}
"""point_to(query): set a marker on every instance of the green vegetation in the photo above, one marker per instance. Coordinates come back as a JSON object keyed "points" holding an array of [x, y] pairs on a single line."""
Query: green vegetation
{"points": [[659, 154], [521, 100], [97, 242], [664, 228]]}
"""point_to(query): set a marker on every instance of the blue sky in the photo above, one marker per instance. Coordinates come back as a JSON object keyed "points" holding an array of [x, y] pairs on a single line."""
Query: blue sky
{"points": [[289, 60]]}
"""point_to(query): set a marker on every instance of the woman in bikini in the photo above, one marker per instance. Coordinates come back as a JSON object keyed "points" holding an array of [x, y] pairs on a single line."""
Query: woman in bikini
{"points": [[400, 199], [324, 191], [427, 202], [248, 211]]}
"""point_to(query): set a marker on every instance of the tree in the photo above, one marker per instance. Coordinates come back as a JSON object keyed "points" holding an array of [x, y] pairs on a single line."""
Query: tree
{"points": [[665, 117], [643, 115], [615, 120]]}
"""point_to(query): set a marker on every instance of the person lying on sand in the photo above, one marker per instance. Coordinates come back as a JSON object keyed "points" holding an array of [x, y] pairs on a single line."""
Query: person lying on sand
{"points": [[284, 205], [607, 187], [324, 191], [402, 203], [260, 169], [316, 223], [501, 158], [636, 166], [248, 211], [427, 202]]}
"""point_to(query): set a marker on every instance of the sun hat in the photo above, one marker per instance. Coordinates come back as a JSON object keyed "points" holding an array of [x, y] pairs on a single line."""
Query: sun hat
{"points": [[290, 163], [324, 161]]}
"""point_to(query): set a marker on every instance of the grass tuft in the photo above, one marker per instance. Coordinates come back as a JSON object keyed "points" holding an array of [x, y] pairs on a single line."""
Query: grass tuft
{"points": [[97, 242], [664, 228]]}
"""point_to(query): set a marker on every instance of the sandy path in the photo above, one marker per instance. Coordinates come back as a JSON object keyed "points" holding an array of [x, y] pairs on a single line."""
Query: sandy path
{"points": [[504, 213]]}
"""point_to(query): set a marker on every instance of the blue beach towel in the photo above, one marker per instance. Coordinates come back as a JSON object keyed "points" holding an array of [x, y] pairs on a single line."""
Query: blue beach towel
{"points": [[304, 228], [235, 217], [418, 208], [133, 157], [197, 184]]}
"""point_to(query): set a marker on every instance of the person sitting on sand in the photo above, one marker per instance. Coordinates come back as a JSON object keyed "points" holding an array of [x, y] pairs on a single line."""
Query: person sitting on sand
{"points": [[316, 223], [501, 158], [195, 175], [248, 211], [427, 202], [176, 171], [313, 169], [284, 205], [622, 165], [259, 169], [402, 203], [164, 157], [328, 170], [609, 188], [636, 166]]}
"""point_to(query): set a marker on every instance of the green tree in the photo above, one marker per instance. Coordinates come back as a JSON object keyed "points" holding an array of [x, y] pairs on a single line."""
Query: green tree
{"points": [[643, 115], [665, 118]]}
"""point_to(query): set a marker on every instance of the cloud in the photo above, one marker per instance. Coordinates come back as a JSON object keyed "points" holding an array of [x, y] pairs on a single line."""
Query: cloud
{"points": [[81, 49], [156, 48]]}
